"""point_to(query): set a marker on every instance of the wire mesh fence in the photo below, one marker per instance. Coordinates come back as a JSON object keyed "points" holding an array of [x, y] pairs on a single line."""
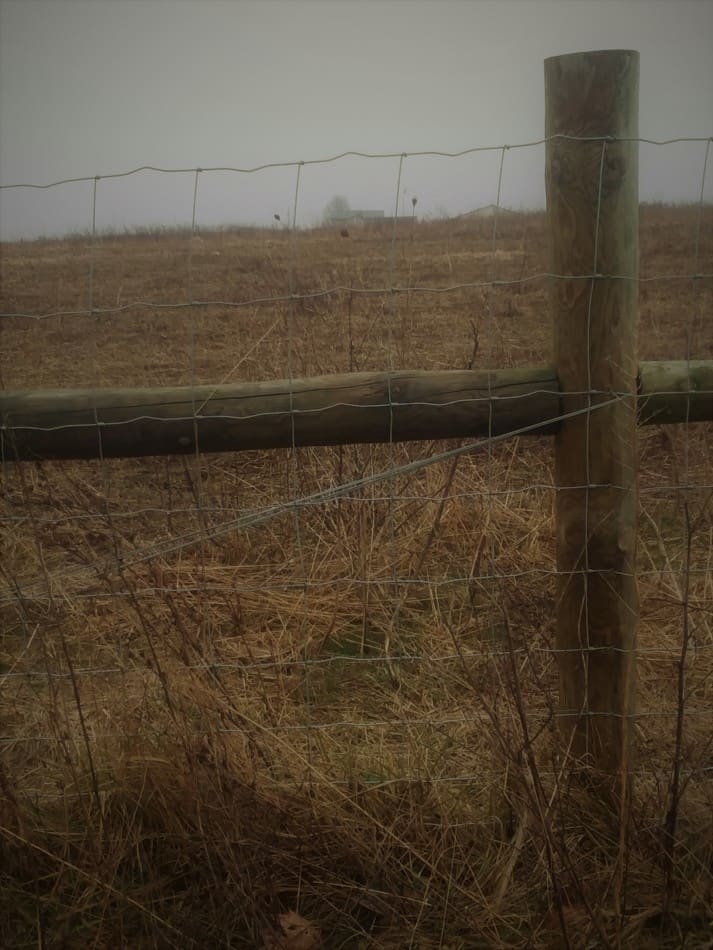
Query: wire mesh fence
{"points": [[345, 654]]}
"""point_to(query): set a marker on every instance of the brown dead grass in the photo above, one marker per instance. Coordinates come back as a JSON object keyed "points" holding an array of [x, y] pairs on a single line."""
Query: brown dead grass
{"points": [[318, 715]]}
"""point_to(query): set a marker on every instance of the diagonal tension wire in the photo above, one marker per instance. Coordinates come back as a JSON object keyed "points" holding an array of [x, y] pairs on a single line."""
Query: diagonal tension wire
{"points": [[273, 511]]}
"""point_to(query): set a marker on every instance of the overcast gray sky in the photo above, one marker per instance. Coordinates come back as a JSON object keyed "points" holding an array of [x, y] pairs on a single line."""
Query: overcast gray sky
{"points": [[96, 87]]}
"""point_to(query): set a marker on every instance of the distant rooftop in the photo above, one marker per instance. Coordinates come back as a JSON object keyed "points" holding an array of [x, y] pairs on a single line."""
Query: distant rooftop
{"points": [[355, 215], [487, 211]]}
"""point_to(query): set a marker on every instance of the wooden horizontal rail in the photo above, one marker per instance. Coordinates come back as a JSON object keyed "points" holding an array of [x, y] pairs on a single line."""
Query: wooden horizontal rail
{"points": [[323, 410]]}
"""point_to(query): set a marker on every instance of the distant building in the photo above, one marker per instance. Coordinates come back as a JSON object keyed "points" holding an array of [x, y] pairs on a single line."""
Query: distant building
{"points": [[400, 219], [368, 219], [356, 217], [488, 211]]}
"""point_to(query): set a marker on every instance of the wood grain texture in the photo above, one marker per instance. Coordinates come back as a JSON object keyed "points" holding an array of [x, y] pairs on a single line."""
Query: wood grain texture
{"points": [[674, 391], [329, 410], [592, 207], [325, 410]]}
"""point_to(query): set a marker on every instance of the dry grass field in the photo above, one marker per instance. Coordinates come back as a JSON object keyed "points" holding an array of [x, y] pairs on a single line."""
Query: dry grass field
{"points": [[342, 710]]}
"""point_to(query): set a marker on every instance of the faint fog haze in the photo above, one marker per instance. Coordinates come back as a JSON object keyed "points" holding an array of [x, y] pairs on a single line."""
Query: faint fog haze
{"points": [[93, 88]]}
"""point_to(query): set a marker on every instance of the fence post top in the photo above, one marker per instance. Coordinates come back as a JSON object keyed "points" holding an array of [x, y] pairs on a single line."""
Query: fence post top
{"points": [[593, 54]]}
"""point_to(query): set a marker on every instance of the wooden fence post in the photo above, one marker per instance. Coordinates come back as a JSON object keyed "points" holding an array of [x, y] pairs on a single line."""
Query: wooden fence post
{"points": [[592, 211]]}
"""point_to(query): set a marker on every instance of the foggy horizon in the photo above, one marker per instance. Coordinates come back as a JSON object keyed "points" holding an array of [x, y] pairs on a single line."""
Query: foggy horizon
{"points": [[97, 90]]}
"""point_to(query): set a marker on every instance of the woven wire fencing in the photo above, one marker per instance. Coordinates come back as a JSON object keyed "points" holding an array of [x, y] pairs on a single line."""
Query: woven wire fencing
{"points": [[334, 665]]}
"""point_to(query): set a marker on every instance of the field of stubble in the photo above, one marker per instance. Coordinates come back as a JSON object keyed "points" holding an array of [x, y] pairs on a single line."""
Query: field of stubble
{"points": [[345, 711]]}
